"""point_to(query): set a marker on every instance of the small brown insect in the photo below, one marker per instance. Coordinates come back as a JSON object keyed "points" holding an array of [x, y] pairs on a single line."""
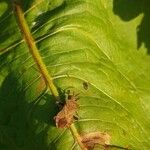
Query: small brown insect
{"points": [[85, 85], [68, 113]]}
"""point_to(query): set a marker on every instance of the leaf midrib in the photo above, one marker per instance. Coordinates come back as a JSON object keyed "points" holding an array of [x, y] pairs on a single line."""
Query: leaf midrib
{"points": [[22, 24]]}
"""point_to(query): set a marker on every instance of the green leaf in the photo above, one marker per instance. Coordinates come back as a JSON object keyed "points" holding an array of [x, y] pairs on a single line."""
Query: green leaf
{"points": [[80, 41]]}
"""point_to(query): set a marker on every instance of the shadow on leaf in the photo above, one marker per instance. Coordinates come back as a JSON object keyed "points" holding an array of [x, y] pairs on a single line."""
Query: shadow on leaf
{"points": [[24, 124], [129, 9]]}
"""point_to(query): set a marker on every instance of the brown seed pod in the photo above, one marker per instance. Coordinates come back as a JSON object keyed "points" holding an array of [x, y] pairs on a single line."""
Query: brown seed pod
{"points": [[66, 115]]}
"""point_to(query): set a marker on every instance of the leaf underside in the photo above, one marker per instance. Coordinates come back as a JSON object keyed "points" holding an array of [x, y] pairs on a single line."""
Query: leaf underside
{"points": [[87, 49]]}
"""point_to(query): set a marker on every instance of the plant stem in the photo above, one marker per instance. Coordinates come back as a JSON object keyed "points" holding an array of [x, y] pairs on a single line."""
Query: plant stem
{"points": [[41, 66], [34, 50], [77, 137]]}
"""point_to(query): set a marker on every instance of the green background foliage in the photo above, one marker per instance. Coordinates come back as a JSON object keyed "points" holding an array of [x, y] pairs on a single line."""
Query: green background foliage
{"points": [[103, 43]]}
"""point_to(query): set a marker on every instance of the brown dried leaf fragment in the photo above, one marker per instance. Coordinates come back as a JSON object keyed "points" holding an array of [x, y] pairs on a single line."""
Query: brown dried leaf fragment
{"points": [[66, 116], [95, 138]]}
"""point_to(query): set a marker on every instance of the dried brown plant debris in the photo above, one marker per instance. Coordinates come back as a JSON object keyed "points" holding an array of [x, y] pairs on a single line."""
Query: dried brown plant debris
{"points": [[92, 139], [68, 112]]}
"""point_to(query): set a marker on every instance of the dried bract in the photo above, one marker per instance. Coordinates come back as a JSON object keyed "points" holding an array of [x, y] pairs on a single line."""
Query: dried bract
{"points": [[95, 138]]}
